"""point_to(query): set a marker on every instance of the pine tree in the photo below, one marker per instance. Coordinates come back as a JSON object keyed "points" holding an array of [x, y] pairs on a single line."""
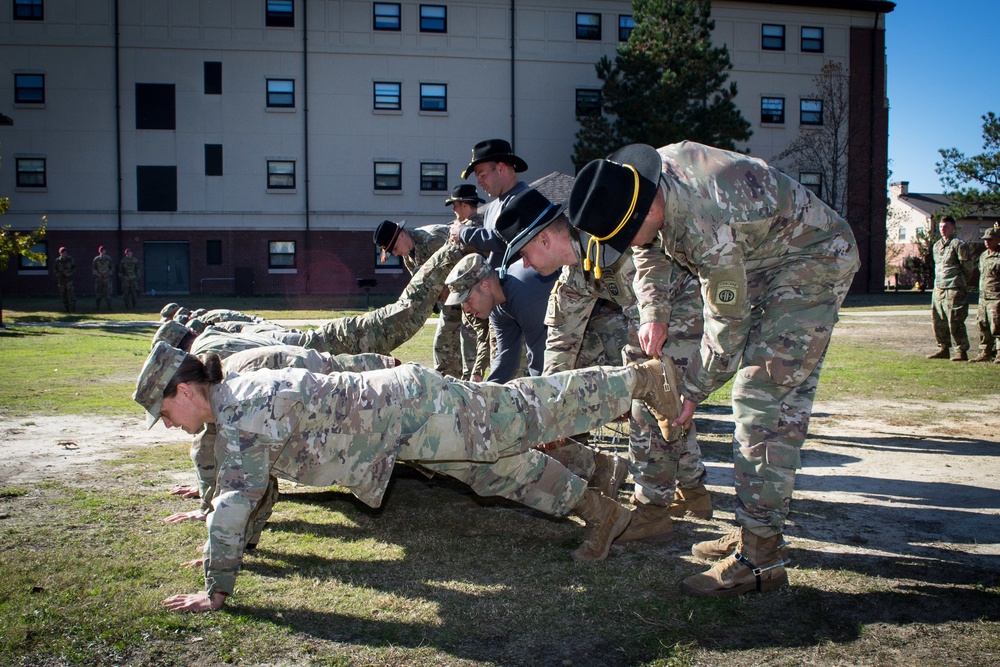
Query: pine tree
{"points": [[973, 183], [667, 84]]}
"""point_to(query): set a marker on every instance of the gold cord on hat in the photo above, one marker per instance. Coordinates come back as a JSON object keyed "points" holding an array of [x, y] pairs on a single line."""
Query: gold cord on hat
{"points": [[596, 240]]}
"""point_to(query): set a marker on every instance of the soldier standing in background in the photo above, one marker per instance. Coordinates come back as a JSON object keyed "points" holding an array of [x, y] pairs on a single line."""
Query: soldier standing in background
{"points": [[988, 315], [952, 270], [104, 269], [65, 268], [128, 274]]}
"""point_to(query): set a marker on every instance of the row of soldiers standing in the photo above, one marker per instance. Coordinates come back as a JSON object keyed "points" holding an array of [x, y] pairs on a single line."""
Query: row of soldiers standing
{"points": [[103, 268]]}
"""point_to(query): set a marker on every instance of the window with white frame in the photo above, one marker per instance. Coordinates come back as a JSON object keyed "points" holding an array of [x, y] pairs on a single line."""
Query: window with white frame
{"points": [[902, 234], [813, 181], [40, 248], [433, 97], [772, 109], [433, 176], [281, 93], [772, 37], [30, 172], [387, 95], [812, 40], [388, 175], [280, 174], [433, 18], [588, 26], [29, 89], [811, 112], [281, 254], [385, 16]]}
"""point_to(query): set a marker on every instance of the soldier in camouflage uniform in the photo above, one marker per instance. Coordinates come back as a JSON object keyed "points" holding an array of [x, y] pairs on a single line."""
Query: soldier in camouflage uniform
{"points": [[593, 319], [952, 270], [104, 269], [349, 429], [65, 267], [128, 274], [988, 314], [465, 202], [774, 263]]}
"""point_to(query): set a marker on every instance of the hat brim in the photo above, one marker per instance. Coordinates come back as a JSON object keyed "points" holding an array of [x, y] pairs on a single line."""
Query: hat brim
{"points": [[519, 164], [478, 201], [611, 251], [514, 249], [649, 164], [153, 417]]}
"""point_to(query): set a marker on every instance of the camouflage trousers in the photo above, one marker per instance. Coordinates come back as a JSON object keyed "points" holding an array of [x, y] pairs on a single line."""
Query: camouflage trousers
{"points": [[949, 309], [130, 292], [68, 294], [454, 344], [102, 288], [384, 329], [789, 332], [988, 321]]}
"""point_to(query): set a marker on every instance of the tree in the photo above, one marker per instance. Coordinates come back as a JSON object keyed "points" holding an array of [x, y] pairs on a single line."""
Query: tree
{"points": [[823, 148], [973, 183], [922, 264], [16, 243], [667, 84]]}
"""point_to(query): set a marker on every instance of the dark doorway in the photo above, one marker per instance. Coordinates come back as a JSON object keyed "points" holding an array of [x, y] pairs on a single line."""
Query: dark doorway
{"points": [[168, 267]]}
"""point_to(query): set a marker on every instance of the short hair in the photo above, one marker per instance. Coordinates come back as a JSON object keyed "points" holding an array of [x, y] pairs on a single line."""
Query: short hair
{"points": [[948, 218]]}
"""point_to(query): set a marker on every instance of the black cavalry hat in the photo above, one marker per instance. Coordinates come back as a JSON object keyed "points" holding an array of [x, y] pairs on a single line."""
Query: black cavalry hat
{"points": [[494, 150], [526, 214], [465, 192]]}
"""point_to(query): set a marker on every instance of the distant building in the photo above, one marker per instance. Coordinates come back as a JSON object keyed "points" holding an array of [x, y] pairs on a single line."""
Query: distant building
{"points": [[252, 146]]}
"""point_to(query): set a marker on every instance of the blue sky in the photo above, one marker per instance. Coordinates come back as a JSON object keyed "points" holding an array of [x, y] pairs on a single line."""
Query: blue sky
{"points": [[943, 76]]}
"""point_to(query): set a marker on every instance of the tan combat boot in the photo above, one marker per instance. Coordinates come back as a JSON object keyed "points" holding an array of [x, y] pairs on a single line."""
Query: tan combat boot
{"points": [[609, 473], [961, 355], [606, 520], [713, 550], [942, 353], [984, 356], [656, 386], [756, 565], [650, 523], [695, 502]]}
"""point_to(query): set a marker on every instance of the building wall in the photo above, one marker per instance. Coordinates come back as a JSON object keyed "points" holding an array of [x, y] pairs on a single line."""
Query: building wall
{"points": [[333, 134]]}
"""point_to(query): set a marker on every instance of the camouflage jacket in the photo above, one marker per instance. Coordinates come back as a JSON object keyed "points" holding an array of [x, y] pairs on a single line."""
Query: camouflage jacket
{"points": [[224, 315], [573, 299], [65, 267], [726, 217], [952, 264], [989, 275], [128, 268], [426, 241], [103, 267], [225, 343]]}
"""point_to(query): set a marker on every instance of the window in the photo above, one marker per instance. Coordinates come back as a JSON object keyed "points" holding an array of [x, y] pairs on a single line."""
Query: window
{"points": [[902, 234], [433, 97], [588, 26], [213, 78], [386, 16], [280, 175], [28, 10], [154, 106], [433, 18], [29, 89], [772, 109], [31, 172], [772, 37], [281, 93], [213, 251], [813, 181], [281, 254], [811, 112], [156, 188], [213, 159], [626, 24], [812, 40], [434, 176], [280, 14], [388, 175], [387, 96], [392, 262], [588, 102], [41, 248]]}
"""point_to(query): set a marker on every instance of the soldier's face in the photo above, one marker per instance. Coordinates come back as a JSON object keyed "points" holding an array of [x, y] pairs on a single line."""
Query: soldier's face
{"points": [[489, 177], [992, 244], [480, 302], [653, 223], [403, 245], [947, 229], [180, 411], [463, 210], [541, 255]]}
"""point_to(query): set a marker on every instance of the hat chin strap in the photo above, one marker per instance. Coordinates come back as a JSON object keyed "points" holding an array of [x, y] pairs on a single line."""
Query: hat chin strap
{"points": [[502, 271], [597, 240]]}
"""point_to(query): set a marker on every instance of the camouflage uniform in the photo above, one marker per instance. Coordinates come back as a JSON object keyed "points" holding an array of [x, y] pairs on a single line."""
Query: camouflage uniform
{"points": [[594, 321], [104, 269], [65, 267], [455, 326], [988, 314], [774, 270], [224, 315], [349, 429], [128, 274], [949, 308]]}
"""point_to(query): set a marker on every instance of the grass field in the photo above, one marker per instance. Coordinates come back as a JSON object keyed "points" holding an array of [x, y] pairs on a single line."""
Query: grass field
{"points": [[438, 576]]}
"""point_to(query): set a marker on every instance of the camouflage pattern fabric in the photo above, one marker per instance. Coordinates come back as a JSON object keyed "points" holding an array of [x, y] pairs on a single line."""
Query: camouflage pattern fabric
{"points": [[427, 240], [225, 315], [128, 274], [988, 313], [65, 267], [349, 429], [103, 271], [774, 269], [949, 307]]}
